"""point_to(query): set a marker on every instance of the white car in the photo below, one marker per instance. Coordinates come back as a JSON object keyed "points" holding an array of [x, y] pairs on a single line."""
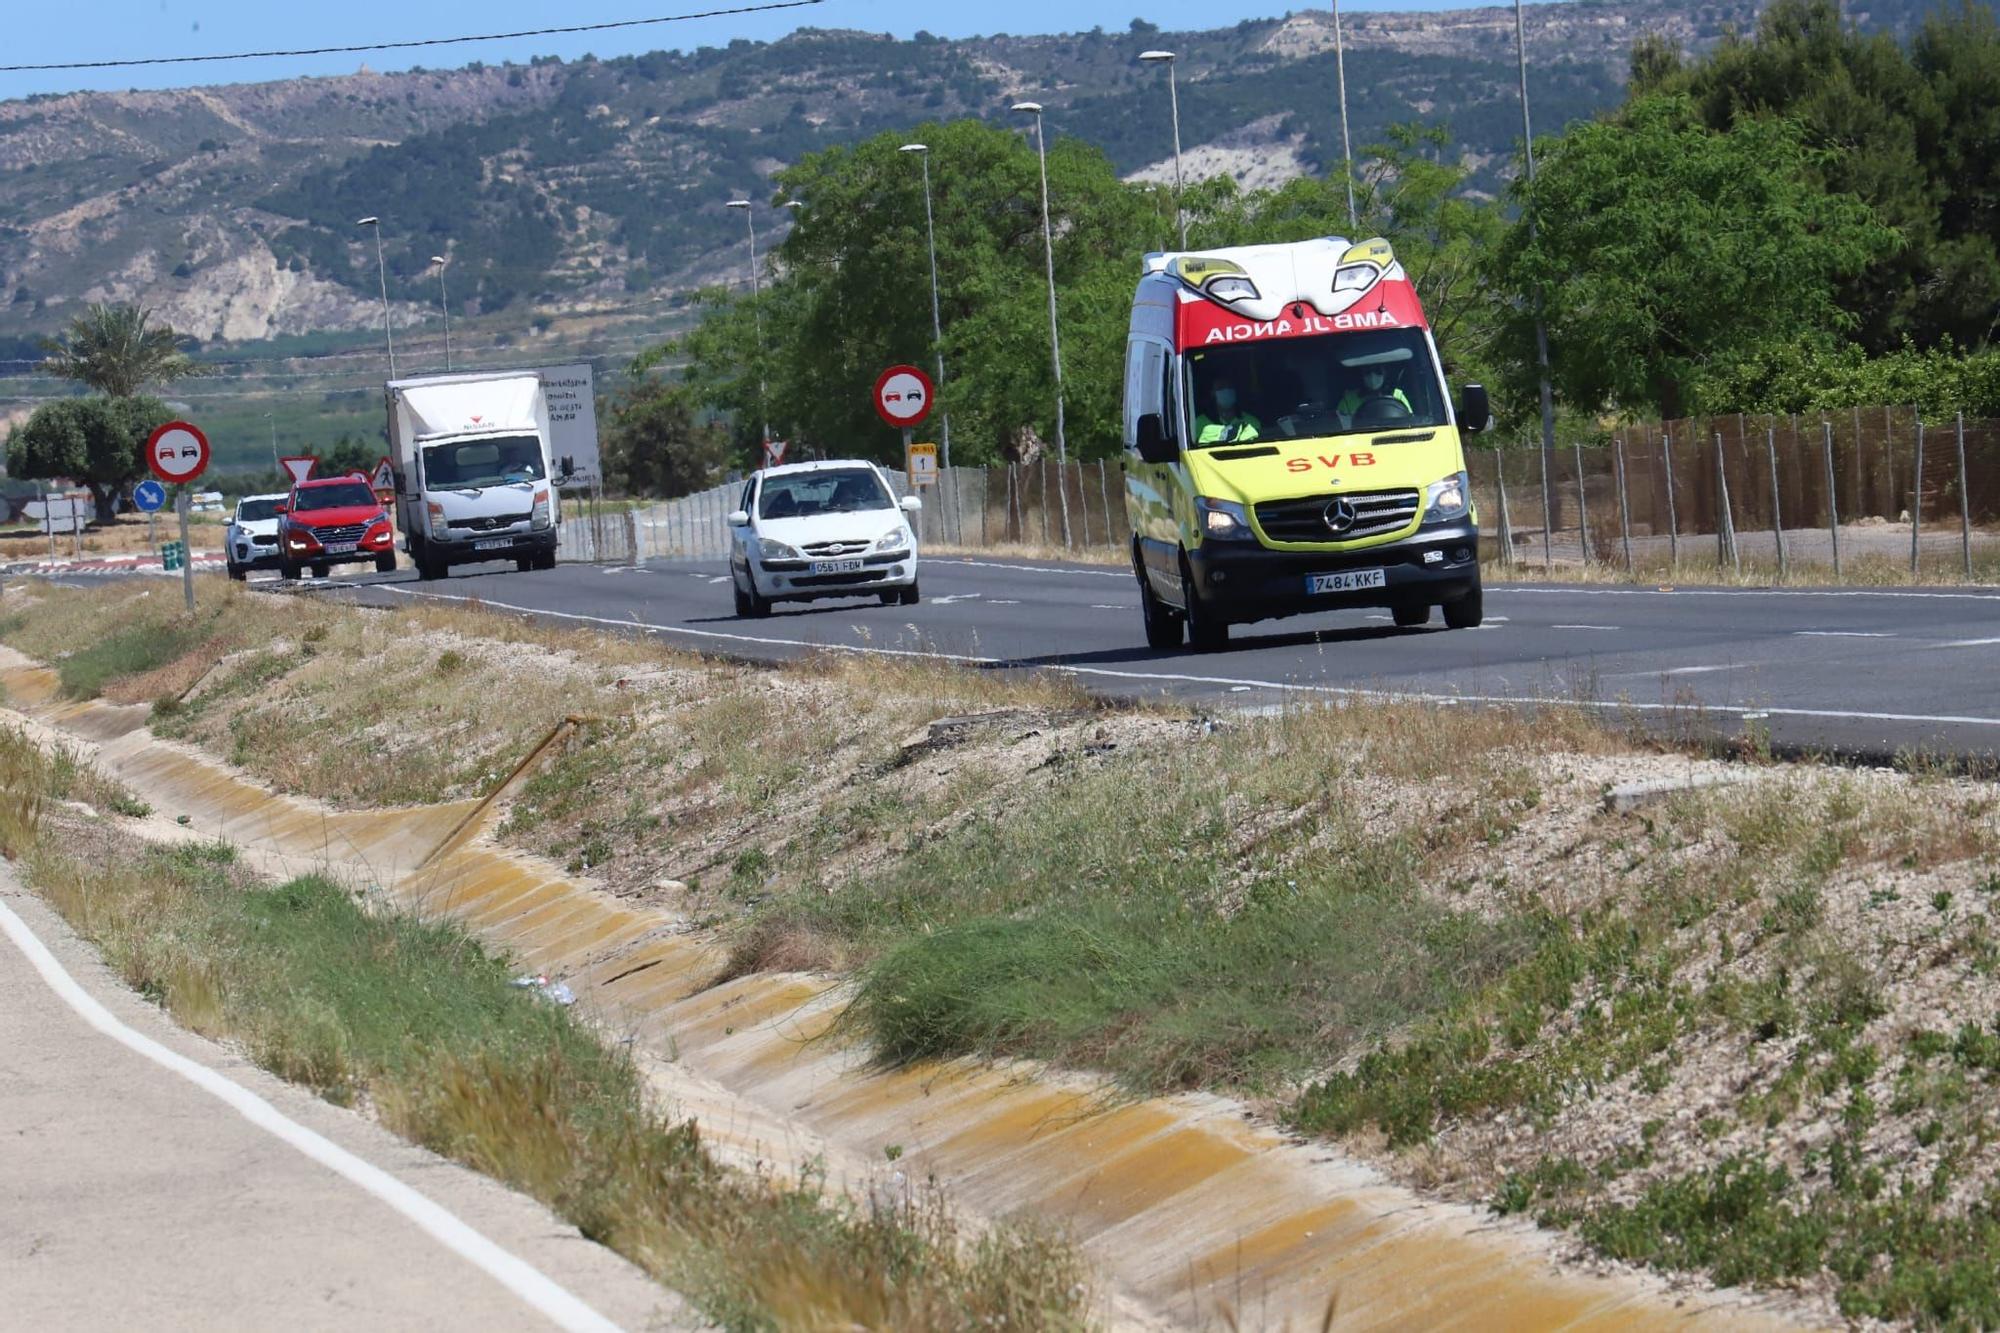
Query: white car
{"points": [[252, 539], [812, 530]]}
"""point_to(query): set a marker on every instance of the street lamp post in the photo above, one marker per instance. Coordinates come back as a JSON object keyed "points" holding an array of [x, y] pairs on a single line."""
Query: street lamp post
{"points": [[444, 304], [1174, 96], [272, 417], [1541, 328], [382, 274], [923, 153], [1346, 145], [1055, 339], [757, 315]]}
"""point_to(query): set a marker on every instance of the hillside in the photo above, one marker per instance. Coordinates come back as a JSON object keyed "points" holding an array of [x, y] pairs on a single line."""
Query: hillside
{"points": [[598, 184]]}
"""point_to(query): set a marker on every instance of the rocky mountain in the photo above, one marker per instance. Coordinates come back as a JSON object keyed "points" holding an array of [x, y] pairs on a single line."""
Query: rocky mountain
{"points": [[597, 185]]}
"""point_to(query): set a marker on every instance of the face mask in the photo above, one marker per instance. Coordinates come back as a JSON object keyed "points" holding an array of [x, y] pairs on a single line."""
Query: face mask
{"points": [[1373, 379], [1225, 401]]}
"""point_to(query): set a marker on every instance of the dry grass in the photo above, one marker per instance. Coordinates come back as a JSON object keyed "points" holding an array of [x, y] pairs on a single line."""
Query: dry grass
{"points": [[414, 1019], [1701, 568]]}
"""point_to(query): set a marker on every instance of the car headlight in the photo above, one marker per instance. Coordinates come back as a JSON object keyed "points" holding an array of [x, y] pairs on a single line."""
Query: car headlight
{"points": [[1447, 499], [892, 540], [1224, 520], [771, 550]]}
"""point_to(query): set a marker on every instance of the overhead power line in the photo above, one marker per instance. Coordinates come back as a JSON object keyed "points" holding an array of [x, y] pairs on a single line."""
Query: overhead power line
{"points": [[763, 8]]}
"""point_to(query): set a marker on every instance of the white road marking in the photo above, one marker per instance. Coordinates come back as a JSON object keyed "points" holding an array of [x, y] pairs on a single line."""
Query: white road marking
{"points": [[1111, 606], [1688, 671], [1286, 687], [1967, 643], [954, 597], [1609, 627], [1523, 589], [513, 1273], [1841, 634], [720, 578], [1125, 574]]}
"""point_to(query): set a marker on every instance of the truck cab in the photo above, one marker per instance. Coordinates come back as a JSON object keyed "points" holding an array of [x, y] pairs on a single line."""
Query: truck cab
{"points": [[474, 476], [1292, 446]]}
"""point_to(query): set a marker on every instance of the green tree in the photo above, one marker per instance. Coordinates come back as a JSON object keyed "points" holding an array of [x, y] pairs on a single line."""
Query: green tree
{"points": [[1665, 252], [97, 441], [117, 350], [657, 444]]}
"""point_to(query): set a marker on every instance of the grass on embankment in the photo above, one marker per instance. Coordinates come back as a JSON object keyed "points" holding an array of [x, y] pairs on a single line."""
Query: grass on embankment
{"points": [[365, 1003], [1750, 1030]]}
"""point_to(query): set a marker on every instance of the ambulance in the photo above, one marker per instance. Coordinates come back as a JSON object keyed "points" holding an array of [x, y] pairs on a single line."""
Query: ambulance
{"points": [[1292, 446]]}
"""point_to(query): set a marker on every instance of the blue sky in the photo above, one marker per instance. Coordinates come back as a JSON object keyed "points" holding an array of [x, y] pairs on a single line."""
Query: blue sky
{"points": [[126, 29]]}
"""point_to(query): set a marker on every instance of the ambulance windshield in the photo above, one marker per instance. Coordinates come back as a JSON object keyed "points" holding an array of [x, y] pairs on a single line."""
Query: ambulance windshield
{"points": [[1311, 387]]}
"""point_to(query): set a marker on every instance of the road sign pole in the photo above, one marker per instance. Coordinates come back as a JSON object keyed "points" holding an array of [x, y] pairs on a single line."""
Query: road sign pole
{"points": [[910, 479], [187, 552]]}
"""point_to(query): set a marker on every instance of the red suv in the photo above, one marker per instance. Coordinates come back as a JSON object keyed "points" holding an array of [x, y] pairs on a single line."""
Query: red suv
{"points": [[334, 521]]}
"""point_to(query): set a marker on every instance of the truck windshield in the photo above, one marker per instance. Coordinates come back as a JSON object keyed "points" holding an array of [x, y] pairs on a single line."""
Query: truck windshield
{"points": [[1301, 388], [846, 490], [493, 461]]}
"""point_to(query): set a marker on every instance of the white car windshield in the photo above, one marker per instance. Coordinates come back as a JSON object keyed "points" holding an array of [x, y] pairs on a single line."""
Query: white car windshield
{"points": [[495, 461], [1298, 388], [256, 511], [834, 491]]}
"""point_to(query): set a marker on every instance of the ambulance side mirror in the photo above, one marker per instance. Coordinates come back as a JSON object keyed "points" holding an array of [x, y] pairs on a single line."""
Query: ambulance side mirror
{"points": [[1152, 442], [1474, 412]]}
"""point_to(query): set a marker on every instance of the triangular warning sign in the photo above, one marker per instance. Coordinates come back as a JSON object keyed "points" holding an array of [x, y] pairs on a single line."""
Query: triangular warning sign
{"points": [[300, 467], [384, 478]]}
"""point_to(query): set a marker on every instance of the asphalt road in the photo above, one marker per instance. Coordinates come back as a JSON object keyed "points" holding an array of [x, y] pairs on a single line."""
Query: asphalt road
{"points": [[136, 1197], [1862, 672]]}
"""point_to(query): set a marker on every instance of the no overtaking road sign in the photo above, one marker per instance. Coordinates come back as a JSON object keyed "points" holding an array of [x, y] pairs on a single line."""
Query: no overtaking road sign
{"points": [[903, 396], [177, 452]]}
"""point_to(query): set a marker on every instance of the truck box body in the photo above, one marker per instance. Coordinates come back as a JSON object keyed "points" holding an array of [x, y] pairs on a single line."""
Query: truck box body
{"points": [[472, 462]]}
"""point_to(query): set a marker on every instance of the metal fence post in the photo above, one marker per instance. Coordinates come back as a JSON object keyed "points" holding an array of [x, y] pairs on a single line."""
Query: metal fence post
{"points": [[1624, 506], [1777, 506], [1582, 509], [1548, 518], [1673, 518], [1964, 501], [1083, 509], [1832, 502], [1725, 531], [1043, 469], [1506, 522], [1917, 500], [1104, 494]]}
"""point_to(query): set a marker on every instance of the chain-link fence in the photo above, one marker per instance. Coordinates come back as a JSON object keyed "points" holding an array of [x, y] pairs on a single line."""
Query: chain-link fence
{"points": [[1875, 488], [1869, 492]]}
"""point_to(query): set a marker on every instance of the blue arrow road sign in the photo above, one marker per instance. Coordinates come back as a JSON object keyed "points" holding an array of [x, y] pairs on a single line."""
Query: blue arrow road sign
{"points": [[149, 496]]}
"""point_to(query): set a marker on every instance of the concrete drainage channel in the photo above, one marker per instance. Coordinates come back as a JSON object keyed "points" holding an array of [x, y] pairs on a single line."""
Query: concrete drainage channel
{"points": [[1195, 1213]]}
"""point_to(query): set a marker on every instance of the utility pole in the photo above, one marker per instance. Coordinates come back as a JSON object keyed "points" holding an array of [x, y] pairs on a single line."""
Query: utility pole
{"points": [[1346, 147]]}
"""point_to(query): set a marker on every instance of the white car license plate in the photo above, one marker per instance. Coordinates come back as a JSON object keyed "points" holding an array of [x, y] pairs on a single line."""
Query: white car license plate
{"points": [[836, 566], [1348, 580], [342, 548], [497, 544]]}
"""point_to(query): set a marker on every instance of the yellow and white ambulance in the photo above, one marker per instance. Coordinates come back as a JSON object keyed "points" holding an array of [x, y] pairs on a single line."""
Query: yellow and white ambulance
{"points": [[1291, 444]]}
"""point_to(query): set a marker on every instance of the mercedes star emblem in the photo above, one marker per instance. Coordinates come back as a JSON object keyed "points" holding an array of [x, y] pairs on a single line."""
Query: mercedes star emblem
{"points": [[1340, 516]]}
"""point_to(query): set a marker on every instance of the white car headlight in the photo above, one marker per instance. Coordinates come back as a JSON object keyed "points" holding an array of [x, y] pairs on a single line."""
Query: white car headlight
{"points": [[771, 550], [1447, 499], [892, 540]]}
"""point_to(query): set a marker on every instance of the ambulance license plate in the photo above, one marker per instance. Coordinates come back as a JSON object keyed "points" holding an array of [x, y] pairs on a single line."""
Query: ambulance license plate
{"points": [[1348, 580]]}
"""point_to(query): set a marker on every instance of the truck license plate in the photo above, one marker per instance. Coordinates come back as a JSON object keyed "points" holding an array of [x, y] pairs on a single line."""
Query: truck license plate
{"points": [[1348, 580], [496, 544], [836, 566], [341, 548]]}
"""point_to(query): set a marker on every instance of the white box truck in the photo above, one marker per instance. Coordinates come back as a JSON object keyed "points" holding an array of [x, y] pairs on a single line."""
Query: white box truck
{"points": [[473, 470]]}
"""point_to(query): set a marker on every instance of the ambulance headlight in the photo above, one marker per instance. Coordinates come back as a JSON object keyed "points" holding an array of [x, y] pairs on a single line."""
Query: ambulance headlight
{"points": [[1232, 289], [1355, 277], [1223, 520], [1447, 499]]}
